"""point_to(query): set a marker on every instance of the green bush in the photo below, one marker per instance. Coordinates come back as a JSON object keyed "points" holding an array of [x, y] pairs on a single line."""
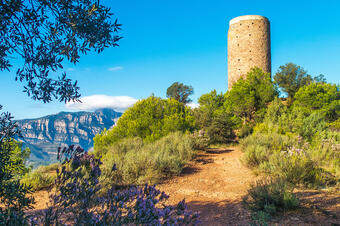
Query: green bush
{"points": [[245, 130], [312, 124], [15, 197], [201, 140], [212, 118], [41, 178], [335, 126], [270, 196], [120, 147], [316, 96], [325, 151], [147, 163], [149, 119], [296, 168], [258, 147], [250, 95], [293, 159]]}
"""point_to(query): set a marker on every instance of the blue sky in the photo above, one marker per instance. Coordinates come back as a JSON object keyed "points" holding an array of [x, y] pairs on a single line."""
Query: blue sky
{"points": [[186, 41]]}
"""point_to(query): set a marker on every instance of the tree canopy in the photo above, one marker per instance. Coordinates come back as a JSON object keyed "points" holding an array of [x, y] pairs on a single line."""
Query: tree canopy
{"points": [[250, 95], [46, 32], [323, 97], [290, 77], [180, 92], [149, 119]]}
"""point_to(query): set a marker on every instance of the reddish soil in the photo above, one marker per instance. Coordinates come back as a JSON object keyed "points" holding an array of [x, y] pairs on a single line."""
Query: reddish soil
{"points": [[214, 183]]}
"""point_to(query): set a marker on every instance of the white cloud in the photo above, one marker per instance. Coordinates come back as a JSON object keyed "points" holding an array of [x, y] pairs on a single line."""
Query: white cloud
{"points": [[193, 105], [118, 103], [117, 68]]}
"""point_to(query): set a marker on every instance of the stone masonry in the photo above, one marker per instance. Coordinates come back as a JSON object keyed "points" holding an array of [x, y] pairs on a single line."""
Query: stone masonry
{"points": [[248, 46]]}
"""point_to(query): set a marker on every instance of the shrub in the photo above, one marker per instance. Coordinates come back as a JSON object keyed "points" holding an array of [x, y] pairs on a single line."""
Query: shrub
{"points": [[41, 178], [121, 147], [316, 95], [149, 119], [78, 199], [296, 168], [335, 125], [245, 130], [258, 147], [250, 95], [290, 158], [325, 152], [147, 163], [270, 196], [312, 124], [14, 196], [212, 118], [201, 140]]}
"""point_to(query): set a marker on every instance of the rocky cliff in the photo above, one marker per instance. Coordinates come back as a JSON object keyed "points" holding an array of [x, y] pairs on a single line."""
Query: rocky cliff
{"points": [[44, 135]]}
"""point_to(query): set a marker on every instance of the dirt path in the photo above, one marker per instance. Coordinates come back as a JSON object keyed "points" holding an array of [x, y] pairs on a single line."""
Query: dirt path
{"points": [[215, 182], [213, 185]]}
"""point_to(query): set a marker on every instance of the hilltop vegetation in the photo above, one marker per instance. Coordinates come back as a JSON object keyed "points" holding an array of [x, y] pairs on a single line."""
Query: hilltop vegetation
{"points": [[292, 143]]}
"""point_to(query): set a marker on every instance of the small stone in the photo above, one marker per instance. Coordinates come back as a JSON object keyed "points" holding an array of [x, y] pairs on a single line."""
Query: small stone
{"points": [[294, 218]]}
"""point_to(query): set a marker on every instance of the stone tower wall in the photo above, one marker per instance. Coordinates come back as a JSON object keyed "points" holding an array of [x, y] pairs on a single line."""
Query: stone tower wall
{"points": [[248, 46]]}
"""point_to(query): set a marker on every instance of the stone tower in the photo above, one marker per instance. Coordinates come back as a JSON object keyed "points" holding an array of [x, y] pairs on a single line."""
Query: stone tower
{"points": [[248, 46]]}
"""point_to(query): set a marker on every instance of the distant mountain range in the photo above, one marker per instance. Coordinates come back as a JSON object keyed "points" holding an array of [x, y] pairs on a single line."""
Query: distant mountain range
{"points": [[44, 135]]}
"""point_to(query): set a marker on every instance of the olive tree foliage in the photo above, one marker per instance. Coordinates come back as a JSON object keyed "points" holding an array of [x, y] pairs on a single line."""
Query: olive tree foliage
{"points": [[290, 77], [46, 32], [180, 92]]}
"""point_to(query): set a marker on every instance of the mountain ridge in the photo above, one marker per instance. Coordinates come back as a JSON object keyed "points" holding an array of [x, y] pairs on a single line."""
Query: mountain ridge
{"points": [[45, 134]]}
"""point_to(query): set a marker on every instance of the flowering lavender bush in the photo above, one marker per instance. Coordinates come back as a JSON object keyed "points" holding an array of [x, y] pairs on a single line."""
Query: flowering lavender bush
{"points": [[78, 199]]}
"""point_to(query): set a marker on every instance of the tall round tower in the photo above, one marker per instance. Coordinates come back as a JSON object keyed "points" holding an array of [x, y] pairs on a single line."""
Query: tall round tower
{"points": [[248, 46]]}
